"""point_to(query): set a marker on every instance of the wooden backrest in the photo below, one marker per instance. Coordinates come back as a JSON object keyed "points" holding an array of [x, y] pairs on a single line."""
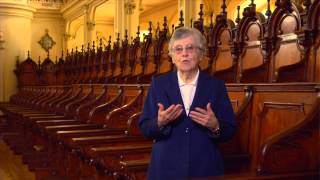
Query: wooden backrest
{"points": [[251, 61], [284, 22], [47, 72], [223, 65]]}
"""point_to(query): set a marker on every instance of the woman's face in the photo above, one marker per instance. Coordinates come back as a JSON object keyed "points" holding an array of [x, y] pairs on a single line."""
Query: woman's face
{"points": [[186, 54]]}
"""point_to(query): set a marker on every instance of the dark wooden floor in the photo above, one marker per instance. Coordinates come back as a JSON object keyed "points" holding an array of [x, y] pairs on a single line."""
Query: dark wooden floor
{"points": [[11, 167]]}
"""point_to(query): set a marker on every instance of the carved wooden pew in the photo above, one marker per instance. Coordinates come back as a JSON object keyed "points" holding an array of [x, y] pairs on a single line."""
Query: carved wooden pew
{"points": [[224, 66], [289, 60], [253, 63], [62, 135], [256, 132], [138, 157], [115, 123]]}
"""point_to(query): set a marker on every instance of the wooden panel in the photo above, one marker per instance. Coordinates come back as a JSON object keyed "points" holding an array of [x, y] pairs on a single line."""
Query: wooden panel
{"points": [[224, 58]]}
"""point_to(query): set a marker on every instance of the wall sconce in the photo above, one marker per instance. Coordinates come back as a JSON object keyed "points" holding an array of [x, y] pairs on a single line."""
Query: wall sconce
{"points": [[1, 40]]}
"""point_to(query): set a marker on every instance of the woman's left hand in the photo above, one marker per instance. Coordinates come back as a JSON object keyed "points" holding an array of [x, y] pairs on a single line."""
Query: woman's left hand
{"points": [[205, 117]]}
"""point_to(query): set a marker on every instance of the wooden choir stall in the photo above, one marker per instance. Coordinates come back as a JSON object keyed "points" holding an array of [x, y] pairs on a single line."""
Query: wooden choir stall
{"points": [[76, 118]]}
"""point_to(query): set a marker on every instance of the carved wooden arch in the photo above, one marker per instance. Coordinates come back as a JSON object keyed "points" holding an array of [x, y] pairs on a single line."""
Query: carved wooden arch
{"points": [[147, 55], [161, 52], [223, 65], [134, 55], [92, 63], [251, 65], [47, 72], [124, 58], [245, 24], [80, 66], [288, 60], [284, 10], [313, 16], [114, 59], [27, 73], [60, 71], [105, 62]]}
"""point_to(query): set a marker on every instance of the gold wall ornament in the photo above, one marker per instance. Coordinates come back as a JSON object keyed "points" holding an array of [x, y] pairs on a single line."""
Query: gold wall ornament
{"points": [[130, 6], [46, 41]]}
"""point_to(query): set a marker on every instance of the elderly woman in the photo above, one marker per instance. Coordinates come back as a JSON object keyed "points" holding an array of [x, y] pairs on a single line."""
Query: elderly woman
{"points": [[187, 112]]}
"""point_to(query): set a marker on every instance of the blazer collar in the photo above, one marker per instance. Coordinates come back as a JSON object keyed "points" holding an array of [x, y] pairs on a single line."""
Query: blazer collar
{"points": [[200, 94]]}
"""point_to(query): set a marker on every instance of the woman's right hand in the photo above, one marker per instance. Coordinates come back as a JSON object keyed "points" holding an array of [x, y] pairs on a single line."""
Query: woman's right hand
{"points": [[167, 115]]}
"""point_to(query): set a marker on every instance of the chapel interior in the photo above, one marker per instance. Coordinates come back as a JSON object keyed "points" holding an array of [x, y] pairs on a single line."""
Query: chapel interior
{"points": [[74, 75]]}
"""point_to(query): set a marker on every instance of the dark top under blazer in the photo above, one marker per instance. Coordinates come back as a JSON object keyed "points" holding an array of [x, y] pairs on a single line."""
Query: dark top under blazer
{"points": [[183, 148]]}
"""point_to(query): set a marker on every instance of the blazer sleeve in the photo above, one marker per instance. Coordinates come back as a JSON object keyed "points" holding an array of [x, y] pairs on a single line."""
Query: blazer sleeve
{"points": [[224, 112], [148, 119]]}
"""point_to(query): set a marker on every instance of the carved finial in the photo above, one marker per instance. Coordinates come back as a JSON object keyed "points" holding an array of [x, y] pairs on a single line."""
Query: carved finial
{"points": [[138, 32], [76, 49], [201, 13], [39, 62], [109, 42], [150, 28], [268, 12], [165, 25], [118, 38], [72, 51], [238, 15], [223, 7], [67, 52], [48, 55], [88, 47], [157, 30], [252, 2], [93, 46], [56, 60], [100, 43], [277, 3], [131, 39], [211, 21], [126, 35], [62, 53], [28, 54], [191, 22], [172, 26], [181, 19], [82, 48]]}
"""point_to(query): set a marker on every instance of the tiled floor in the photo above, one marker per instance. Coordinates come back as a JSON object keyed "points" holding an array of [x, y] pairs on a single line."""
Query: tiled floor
{"points": [[11, 167]]}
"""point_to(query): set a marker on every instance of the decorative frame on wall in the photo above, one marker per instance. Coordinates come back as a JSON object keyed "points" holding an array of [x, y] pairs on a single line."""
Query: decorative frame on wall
{"points": [[46, 41]]}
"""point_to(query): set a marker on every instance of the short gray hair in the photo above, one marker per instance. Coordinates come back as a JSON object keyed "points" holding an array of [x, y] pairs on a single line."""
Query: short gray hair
{"points": [[184, 32]]}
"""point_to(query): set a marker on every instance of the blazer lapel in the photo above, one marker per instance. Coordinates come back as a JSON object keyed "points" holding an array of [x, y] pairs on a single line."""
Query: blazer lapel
{"points": [[174, 90], [201, 94]]}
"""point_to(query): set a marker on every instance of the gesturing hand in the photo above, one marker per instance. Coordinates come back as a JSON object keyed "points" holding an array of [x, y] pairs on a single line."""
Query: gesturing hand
{"points": [[205, 117], [168, 115]]}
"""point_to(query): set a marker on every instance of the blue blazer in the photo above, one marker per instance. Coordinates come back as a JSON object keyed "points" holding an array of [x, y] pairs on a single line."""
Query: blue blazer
{"points": [[184, 149]]}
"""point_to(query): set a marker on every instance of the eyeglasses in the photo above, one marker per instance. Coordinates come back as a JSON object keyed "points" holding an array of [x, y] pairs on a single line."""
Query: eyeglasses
{"points": [[190, 48]]}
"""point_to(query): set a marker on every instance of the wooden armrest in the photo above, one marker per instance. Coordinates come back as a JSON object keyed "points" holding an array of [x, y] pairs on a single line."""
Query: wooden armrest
{"points": [[128, 164], [72, 127], [122, 148], [97, 139], [46, 117], [44, 123], [85, 133], [102, 109], [38, 115]]}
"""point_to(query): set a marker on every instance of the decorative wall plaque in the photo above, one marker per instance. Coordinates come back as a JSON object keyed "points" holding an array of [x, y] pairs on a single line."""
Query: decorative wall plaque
{"points": [[46, 41]]}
